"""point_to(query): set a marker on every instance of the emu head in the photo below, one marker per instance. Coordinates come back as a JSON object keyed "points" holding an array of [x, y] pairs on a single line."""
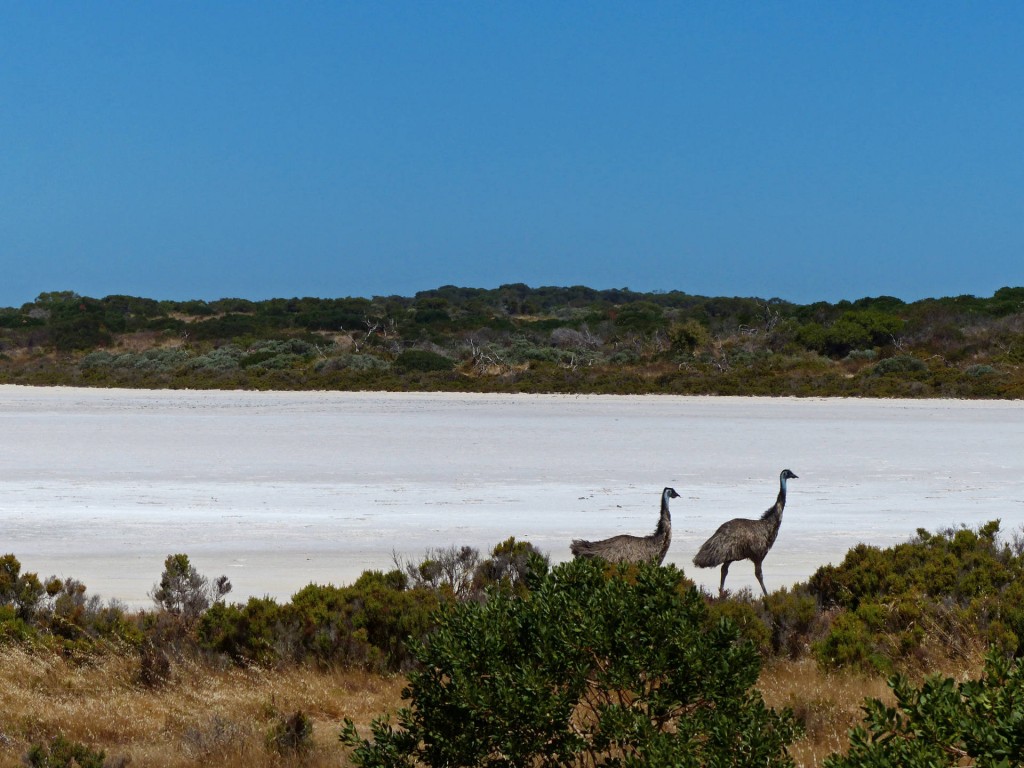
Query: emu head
{"points": [[670, 493], [787, 475]]}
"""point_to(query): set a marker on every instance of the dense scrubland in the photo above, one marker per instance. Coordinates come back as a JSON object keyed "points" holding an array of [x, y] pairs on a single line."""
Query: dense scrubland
{"points": [[521, 339], [909, 655]]}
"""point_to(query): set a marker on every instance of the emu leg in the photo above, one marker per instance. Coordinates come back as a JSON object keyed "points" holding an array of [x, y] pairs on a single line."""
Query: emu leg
{"points": [[760, 580], [721, 586]]}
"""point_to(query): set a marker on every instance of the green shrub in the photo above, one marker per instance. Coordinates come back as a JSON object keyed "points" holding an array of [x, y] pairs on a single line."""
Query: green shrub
{"points": [[247, 634], [594, 668], [422, 360], [21, 591], [959, 563], [795, 620], [356, 363], [977, 371], [61, 753], [688, 337], [851, 644], [899, 365], [935, 594], [746, 617], [184, 592], [368, 624], [513, 566], [944, 723], [215, 361]]}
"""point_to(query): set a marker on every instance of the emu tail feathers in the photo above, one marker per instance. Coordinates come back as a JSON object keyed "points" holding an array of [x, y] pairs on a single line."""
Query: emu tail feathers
{"points": [[708, 555]]}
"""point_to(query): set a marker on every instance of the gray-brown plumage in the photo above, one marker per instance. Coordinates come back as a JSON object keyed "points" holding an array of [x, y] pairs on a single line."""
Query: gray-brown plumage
{"points": [[742, 539], [633, 549]]}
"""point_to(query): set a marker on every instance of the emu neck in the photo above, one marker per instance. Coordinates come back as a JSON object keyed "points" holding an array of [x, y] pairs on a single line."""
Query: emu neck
{"points": [[665, 521], [780, 501], [774, 515]]}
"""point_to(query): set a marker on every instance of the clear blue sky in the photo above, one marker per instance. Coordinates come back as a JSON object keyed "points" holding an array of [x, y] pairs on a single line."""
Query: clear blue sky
{"points": [[804, 150]]}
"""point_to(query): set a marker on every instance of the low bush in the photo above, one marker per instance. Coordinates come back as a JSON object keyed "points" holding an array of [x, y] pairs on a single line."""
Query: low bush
{"points": [[939, 593], [899, 365], [615, 666], [422, 360], [944, 723], [369, 624], [61, 753]]}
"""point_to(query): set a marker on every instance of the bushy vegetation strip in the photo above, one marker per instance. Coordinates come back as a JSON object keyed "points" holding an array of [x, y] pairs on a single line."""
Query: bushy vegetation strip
{"points": [[521, 339], [512, 662]]}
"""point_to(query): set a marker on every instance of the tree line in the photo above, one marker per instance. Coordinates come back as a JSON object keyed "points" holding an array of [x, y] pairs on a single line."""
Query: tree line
{"points": [[521, 339]]}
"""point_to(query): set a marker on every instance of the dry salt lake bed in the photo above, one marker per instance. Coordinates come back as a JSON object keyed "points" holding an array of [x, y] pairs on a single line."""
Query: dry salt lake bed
{"points": [[281, 489]]}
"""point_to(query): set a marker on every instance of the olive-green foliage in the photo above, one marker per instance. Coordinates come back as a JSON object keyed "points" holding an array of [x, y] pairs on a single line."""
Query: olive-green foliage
{"points": [[61, 753], [74, 322], [795, 620], [423, 360], [900, 365], [596, 667], [273, 353], [19, 591], [185, 592], [688, 336], [352, 362], [857, 329], [944, 723], [959, 563], [368, 624], [513, 566], [785, 623], [640, 316], [446, 570], [943, 591], [743, 613], [58, 612], [521, 339], [459, 573]]}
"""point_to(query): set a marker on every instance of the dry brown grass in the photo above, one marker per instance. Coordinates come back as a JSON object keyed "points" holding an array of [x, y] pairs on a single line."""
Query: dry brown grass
{"points": [[826, 705], [202, 717], [209, 716], [829, 705]]}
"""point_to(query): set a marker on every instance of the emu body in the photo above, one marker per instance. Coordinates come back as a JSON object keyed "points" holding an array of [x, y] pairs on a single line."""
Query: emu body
{"points": [[633, 549], [743, 539]]}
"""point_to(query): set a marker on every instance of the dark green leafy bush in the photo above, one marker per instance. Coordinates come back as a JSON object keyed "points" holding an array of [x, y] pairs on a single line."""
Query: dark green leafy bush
{"points": [[423, 360], [61, 753], [596, 667], [936, 594], [368, 624], [352, 362], [898, 365], [22, 592], [944, 723]]}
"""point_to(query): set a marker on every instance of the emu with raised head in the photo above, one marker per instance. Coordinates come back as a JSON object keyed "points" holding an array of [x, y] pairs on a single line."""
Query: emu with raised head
{"points": [[633, 549], [743, 539]]}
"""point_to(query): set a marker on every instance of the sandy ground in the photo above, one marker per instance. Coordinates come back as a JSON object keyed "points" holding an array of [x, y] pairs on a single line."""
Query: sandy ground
{"points": [[278, 490]]}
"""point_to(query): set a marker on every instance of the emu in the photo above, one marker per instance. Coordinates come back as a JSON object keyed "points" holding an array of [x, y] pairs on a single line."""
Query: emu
{"points": [[633, 549], [742, 539]]}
